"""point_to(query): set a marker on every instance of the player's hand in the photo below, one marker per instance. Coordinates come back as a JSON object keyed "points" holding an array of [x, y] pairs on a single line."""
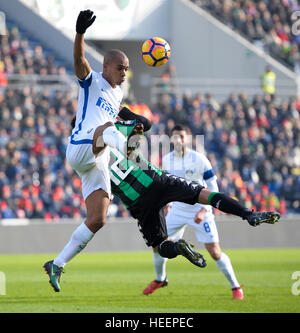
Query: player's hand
{"points": [[85, 19], [199, 217]]}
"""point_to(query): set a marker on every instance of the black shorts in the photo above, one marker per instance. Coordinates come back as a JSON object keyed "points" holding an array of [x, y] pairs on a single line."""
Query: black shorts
{"points": [[148, 210]]}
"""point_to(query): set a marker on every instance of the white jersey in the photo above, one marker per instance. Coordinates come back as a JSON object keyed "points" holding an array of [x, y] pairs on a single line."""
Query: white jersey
{"points": [[98, 103], [192, 166]]}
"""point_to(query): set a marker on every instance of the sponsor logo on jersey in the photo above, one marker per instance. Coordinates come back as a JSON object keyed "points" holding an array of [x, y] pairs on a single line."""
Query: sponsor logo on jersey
{"points": [[106, 106]]}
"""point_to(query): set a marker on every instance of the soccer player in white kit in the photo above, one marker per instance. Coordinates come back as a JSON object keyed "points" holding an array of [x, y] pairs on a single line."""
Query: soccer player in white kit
{"points": [[191, 165], [87, 153]]}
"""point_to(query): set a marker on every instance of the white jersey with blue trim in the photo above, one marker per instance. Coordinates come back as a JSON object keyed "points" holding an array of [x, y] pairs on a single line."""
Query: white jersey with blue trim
{"points": [[98, 103], [193, 166]]}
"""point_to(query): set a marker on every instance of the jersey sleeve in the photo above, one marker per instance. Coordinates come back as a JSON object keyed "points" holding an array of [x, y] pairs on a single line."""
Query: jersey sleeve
{"points": [[212, 184], [87, 81], [208, 171]]}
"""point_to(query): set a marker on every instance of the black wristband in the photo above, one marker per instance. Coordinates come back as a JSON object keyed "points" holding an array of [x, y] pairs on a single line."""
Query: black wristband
{"points": [[126, 114]]}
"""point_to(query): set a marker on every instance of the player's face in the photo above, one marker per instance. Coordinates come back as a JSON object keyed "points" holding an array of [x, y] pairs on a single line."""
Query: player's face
{"points": [[115, 72], [179, 140]]}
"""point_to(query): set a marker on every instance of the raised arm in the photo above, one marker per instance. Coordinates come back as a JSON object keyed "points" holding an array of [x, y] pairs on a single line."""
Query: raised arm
{"points": [[81, 66]]}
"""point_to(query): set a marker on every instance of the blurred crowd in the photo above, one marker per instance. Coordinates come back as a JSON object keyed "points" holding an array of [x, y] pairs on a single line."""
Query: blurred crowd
{"points": [[267, 23], [19, 55], [35, 180], [252, 143]]}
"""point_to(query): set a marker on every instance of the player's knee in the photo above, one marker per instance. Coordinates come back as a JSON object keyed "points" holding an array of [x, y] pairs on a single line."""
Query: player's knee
{"points": [[100, 221], [215, 254], [100, 129], [96, 222], [214, 250], [98, 142], [107, 124]]}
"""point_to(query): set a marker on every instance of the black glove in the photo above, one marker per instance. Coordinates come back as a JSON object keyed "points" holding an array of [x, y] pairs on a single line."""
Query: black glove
{"points": [[85, 19]]}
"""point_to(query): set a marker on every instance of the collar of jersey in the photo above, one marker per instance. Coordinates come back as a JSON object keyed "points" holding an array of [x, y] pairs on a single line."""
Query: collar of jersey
{"points": [[106, 83]]}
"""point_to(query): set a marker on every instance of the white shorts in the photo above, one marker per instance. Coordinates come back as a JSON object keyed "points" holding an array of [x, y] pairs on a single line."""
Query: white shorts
{"points": [[206, 231], [93, 171]]}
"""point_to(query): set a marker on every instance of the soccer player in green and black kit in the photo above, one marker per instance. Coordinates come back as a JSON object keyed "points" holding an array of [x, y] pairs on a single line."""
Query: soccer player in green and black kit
{"points": [[145, 190]]}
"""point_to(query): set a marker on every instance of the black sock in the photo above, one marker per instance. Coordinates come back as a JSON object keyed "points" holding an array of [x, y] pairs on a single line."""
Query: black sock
{"points": [[167, 249], [228, 205]]}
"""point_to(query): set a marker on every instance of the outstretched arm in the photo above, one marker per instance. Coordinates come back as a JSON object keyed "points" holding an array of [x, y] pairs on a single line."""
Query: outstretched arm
{"points": [[81, 66]]}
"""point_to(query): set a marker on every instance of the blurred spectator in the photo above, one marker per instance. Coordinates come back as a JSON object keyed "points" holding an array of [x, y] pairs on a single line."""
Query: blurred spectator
{"points": [[252, 143], [3, 78], [268, 80], [19, 57], [6, 211], [265, 23]]}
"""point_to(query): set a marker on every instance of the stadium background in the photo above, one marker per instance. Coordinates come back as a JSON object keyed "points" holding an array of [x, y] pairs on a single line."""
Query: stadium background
{"points": [[220, 49]]}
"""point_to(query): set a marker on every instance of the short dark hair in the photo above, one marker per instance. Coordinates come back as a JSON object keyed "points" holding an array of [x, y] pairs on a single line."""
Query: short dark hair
{"points": [[112, 55], [180, 127]]}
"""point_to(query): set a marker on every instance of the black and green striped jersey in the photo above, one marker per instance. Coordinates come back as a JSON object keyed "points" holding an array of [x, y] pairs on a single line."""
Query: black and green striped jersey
{"points": [[130, 179]]}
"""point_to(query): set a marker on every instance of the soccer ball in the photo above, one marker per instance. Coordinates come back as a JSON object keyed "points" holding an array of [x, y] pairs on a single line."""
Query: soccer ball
{"points": [[156, 52]]}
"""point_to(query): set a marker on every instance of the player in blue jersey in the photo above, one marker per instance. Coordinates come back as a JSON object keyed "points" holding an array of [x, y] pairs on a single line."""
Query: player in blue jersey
{"points": [[94, 132]]}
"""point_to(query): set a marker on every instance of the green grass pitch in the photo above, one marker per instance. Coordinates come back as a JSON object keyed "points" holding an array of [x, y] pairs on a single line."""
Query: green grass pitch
{"points": [[113, 283]]}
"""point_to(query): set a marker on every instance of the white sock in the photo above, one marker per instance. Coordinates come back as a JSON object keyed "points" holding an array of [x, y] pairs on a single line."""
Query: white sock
{"points": [[115, 139], [159, 266], [79, 239], [224, 265]]}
